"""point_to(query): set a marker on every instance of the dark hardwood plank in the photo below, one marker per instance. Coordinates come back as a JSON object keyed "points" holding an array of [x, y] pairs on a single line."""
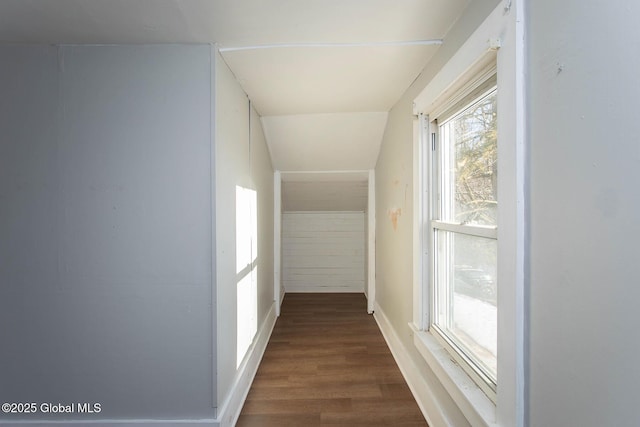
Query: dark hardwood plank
{"points": [[327, 364]]}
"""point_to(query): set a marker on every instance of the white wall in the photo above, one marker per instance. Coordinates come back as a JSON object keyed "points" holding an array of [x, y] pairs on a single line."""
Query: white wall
{"points": [[105, 230], [262, 179], [366, 254], [584, 229], [394, 213], [323, 251], [239, 164]]}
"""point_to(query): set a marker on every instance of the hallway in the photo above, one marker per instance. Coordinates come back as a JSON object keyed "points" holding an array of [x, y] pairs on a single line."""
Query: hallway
{"points": [[327, 364]]}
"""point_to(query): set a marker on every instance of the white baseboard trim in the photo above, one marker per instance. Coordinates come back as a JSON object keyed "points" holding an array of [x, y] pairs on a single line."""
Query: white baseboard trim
{"points": [[118, 423], [228, 412], [422, 392]]}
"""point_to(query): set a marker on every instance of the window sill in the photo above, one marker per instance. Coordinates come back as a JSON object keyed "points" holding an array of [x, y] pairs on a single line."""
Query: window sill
{"points": [[474, 404]]}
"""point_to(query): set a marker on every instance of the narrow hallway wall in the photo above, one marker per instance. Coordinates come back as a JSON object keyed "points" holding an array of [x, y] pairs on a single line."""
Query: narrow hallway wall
{"points": [[323, 251], [242, 164], [105, 230]]}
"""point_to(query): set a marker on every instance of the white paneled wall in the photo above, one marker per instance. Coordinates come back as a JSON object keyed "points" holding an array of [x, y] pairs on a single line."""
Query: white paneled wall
{"points": [[323, 251]]}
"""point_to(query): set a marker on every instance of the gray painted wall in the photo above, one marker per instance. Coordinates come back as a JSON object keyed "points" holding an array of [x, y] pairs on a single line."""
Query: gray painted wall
{"points": [[106, 229], [584, 229]]}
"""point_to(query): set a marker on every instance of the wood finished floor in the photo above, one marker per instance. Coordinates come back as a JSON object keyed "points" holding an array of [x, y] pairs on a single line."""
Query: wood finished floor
{"points": [[327, 364]]}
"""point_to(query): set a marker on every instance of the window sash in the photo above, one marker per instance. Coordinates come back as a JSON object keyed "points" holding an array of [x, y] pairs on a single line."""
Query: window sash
{"points": [[442, 319], [466, 362], [441, 197], [474, 90], [488, 231]]}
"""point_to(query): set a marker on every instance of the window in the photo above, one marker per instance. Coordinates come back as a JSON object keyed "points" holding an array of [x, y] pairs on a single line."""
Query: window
{"points": [[469, 242], [463, 229]]}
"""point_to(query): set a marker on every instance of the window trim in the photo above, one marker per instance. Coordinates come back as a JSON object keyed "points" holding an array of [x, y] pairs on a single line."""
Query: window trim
{"points": [[500, 39]]}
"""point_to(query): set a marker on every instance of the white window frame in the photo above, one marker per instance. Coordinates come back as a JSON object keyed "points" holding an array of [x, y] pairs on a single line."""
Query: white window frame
{"points": [[434, 208], [499, 39]]}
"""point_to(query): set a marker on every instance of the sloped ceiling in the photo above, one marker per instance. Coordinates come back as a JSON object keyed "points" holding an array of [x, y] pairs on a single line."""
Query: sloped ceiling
{"points": [[309, 80], [321, 73], [325, 142]]}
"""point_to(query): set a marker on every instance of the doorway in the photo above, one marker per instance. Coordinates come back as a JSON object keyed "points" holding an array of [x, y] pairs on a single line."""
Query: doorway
{"points": [[326, 236]]}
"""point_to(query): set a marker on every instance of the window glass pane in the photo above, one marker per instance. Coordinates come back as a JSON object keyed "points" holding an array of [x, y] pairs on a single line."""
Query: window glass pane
{"points": [[466, 296], [470, 164]]}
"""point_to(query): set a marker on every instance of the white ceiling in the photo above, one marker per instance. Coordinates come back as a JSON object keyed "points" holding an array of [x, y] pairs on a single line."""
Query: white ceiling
{"points": [[309, 80], [324, 142], [323, 106], [230, 23]]}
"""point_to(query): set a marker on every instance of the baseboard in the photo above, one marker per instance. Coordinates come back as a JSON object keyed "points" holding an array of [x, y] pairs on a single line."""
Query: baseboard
{"points": [[228, 412], [117, 423], [422, 392]]}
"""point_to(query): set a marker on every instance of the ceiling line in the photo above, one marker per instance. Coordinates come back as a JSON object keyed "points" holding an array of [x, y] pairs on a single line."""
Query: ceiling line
{"points": [[320, 45]]}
